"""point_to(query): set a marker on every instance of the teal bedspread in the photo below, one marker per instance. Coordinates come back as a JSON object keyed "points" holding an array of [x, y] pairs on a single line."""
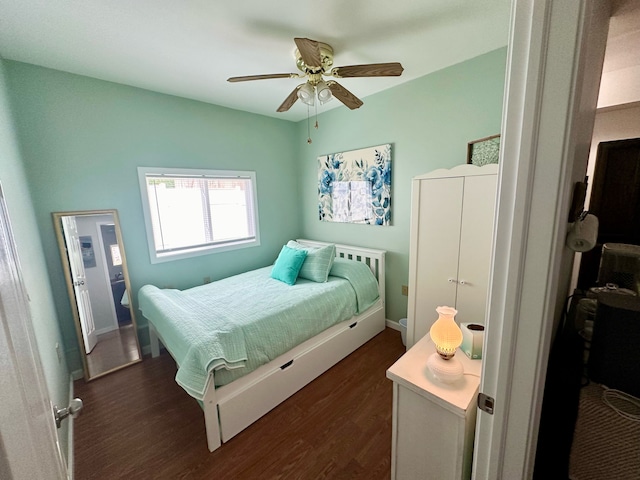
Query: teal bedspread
{"points": [[236, 324]]}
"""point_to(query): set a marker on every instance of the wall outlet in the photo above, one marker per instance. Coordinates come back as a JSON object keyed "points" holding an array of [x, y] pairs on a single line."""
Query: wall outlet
{"points": [[405, 290], [206, 280]]}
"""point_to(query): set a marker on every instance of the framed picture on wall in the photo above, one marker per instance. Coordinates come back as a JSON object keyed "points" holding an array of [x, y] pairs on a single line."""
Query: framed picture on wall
{"points": [[86, 247], [484, 151], [355, 186]]}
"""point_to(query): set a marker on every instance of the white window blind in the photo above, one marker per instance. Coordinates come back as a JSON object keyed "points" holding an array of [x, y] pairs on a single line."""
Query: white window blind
{"points": [[194, 212]]}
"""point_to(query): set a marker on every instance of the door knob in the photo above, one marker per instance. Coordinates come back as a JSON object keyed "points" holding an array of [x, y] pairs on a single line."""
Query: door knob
{"points": [[73, 409]]}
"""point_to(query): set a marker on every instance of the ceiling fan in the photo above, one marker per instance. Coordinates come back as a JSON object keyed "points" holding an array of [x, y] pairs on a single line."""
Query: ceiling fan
{"points": [[315, 60]]}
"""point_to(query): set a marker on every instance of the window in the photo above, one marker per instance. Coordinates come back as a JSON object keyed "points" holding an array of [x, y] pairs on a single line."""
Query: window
{"points": [[116, 258], [194, 212]]}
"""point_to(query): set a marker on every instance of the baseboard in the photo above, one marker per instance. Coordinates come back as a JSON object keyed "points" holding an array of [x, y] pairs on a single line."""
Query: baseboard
{"points": [[102, 331], [392, 324]]}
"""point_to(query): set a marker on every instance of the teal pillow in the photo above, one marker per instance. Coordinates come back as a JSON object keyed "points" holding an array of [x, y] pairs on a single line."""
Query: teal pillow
{"points": [[288, 265], [317, 265]]}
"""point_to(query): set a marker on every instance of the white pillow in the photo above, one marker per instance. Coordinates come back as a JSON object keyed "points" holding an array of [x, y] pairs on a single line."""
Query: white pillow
{"points": [[317, 264]]}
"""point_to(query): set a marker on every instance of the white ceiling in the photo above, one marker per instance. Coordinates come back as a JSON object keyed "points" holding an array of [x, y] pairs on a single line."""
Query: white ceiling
{"points": [[190, 47], [623, 43]]}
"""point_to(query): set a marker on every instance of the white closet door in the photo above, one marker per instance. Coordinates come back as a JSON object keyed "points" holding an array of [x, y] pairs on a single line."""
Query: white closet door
{"points": [[475, 247], [437, 203]]}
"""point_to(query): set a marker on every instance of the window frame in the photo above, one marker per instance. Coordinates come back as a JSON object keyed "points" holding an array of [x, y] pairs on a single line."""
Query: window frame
{"points": [[159, 257]]}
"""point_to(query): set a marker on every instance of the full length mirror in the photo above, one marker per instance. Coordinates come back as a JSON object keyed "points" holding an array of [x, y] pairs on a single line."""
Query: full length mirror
{"points": [[95, 269]]}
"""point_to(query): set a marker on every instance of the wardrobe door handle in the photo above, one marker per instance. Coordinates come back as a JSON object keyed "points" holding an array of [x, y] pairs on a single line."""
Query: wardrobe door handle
{"points": [[452, 280]]}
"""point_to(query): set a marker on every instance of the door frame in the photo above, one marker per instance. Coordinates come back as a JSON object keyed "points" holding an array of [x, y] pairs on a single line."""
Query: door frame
{"points": [[554, 65]]}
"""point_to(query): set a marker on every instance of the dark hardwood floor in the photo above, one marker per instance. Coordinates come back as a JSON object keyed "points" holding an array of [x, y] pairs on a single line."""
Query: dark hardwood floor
{"points": [[137, 423]]}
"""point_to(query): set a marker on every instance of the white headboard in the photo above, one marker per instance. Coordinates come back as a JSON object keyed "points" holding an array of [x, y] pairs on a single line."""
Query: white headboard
{"points": [[373, 258]]}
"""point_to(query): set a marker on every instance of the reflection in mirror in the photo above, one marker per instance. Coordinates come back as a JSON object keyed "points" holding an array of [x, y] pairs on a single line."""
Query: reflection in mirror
{"points": [[95, 269]]}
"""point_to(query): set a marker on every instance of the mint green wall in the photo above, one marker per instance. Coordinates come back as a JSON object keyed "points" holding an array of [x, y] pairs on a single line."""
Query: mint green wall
{"points": [[82, 140], [33, 266], [428, 121]]}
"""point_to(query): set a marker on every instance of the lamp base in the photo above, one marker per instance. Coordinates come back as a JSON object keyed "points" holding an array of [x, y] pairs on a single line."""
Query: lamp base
{"points": [[446, 371]]}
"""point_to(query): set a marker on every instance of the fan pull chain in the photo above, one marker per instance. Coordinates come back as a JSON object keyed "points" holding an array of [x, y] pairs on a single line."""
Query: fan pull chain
{"points": [[316, 107], [308, 126]]}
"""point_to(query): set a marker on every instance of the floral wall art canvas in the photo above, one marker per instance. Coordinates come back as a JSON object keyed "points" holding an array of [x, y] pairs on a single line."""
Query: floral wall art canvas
{"points": [[355, 186]]}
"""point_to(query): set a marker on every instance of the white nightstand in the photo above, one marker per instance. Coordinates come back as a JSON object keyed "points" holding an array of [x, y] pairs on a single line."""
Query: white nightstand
{"points": [[433, 423]]}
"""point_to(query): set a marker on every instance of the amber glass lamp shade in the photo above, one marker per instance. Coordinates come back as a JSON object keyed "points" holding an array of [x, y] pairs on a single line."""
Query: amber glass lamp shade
{"points": [[445, 333], [447, 337]]}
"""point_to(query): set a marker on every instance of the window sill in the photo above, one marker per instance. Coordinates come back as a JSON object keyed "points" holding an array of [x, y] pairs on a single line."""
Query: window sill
{"points": [[196, 252]]}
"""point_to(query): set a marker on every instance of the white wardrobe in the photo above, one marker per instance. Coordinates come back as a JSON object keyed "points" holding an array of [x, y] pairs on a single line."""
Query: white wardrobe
{"points": [[452, 214]]}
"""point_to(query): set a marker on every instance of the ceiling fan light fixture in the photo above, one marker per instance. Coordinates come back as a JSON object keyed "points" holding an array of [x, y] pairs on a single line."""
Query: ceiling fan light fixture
{"points": [[324, 92], [314, 60], [307, 94]]}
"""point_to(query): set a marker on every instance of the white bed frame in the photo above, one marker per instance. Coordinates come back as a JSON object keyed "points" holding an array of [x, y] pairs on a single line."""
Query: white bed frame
{"points": [[231, 408]]}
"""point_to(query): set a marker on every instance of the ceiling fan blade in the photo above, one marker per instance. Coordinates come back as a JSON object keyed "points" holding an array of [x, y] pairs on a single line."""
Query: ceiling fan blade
{"points": [[289, 101], [393, 69], [262, 77], [309, 51], [344, 95]]}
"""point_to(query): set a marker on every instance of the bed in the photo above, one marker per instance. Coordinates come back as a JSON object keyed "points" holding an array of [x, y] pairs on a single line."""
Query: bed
{"points": [[235, 385]]}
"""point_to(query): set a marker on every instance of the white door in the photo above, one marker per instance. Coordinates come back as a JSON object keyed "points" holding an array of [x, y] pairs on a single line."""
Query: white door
{"points": [[476, 239], [554, 63], [80, 286], [28, 440]]}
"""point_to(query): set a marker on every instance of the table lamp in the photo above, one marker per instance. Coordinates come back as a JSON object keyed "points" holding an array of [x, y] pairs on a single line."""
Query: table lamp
{"points": [[447, 337]]}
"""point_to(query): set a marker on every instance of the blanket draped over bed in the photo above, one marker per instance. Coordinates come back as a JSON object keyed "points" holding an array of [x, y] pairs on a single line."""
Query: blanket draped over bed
{"points": [[236, 324]]}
